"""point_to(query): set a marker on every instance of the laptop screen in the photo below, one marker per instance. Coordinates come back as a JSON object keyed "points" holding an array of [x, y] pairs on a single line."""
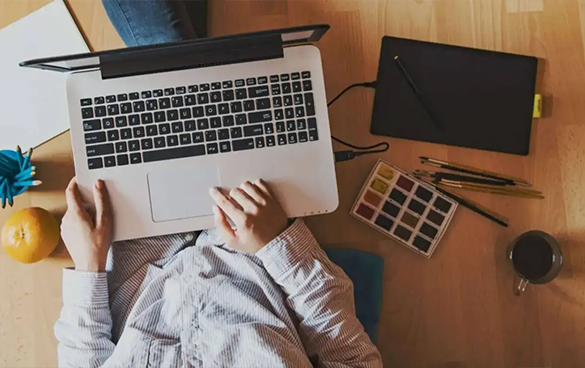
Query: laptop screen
{"points": [[68, 63]]}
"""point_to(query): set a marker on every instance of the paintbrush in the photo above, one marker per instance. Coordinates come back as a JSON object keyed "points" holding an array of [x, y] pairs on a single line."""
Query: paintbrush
{"points": [[435, 176], [492, 190]]}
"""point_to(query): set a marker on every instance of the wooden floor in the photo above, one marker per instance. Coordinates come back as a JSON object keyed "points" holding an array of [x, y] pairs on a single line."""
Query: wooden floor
{"points": [[456, 309]]}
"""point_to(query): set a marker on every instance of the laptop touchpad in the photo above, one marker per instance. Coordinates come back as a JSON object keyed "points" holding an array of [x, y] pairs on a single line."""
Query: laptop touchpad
{"points": [[179, 193]]}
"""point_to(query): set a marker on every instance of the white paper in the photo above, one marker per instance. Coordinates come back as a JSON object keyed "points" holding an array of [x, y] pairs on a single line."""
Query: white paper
{"points": [[33, 102]]}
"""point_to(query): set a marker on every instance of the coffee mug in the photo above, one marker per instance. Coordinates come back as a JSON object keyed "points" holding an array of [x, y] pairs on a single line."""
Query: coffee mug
{"points": [[536, 258]]}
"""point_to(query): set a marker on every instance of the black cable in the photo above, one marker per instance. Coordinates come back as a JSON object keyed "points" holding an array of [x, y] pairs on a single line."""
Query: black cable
{"points": [[360, 150]]}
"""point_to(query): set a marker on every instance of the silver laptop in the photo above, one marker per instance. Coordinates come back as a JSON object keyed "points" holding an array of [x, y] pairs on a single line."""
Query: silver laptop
{"points": [[162, 124]]}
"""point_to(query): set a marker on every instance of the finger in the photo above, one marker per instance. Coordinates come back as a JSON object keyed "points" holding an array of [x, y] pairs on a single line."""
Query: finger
{"points": [[222, 225], [103, 208], [226, 204], [254, 192], [73, 197], [244, 200], [264, 188]]}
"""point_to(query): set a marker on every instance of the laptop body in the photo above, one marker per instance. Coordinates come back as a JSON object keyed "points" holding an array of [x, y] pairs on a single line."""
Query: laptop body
{"points": [[162, 124]]}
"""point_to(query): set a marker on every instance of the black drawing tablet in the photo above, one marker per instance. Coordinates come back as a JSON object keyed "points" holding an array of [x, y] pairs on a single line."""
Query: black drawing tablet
{"points": [[483, 99]]}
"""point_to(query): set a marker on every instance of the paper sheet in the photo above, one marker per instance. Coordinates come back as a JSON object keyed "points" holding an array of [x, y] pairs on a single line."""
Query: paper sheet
{"points": [[33, 103]]}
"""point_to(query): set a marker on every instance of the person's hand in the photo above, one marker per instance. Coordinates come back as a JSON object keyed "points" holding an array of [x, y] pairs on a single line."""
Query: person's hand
{"points": [[257, 215], [87, 237]]}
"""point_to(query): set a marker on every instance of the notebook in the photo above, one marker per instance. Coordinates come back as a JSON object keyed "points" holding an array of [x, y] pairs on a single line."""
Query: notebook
{"points": [[33, 103], [483, 99]]}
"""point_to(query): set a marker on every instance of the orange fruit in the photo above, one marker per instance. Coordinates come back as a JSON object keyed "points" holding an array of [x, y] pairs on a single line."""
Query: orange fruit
{"points": [[30, 235]]}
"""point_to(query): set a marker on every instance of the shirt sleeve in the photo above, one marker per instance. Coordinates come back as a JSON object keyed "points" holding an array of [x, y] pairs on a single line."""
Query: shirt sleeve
{"points": [[321, 295], [84, 327]]}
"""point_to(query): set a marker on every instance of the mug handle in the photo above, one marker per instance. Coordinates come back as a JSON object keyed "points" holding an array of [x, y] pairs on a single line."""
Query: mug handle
{"points": [[519, 287]]}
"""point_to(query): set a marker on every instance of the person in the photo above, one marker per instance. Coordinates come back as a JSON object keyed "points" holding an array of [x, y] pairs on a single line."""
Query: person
{"points": [[260, 294]]}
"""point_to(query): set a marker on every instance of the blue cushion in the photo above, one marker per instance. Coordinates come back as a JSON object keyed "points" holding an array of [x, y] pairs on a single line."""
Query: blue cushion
{"points": [[365, 270]]}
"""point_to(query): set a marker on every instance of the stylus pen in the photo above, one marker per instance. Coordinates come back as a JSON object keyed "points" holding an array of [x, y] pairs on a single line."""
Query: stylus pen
{"points": [[468, 203], [417, 93]]}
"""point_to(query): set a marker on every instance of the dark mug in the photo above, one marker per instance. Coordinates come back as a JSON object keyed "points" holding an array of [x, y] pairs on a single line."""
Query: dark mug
{"points": [[536, 258]]}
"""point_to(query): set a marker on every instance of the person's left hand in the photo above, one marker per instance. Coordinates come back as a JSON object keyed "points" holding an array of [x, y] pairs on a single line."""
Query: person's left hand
{"points": [[87, 238]]}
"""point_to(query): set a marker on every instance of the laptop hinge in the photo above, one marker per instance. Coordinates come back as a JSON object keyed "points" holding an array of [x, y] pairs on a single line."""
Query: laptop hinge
{"points": [[198, 55]]}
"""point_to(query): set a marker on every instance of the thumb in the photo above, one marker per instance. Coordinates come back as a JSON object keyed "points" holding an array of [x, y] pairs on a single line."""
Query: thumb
{"points": [[223, 227]]}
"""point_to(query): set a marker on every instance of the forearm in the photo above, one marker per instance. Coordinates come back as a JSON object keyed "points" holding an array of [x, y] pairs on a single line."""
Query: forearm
{"points": [[84, 327], [322, 297]]}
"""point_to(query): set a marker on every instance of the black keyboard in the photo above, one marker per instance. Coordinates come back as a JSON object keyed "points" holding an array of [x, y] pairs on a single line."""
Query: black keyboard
{"points": [[196, 120]]}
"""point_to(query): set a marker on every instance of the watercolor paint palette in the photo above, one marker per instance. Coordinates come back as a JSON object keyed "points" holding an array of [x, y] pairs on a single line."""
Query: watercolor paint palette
{"points": [[404, 208]]}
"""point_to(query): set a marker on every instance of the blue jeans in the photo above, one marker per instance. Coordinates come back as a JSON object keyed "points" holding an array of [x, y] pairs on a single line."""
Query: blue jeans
{"points": [[148, 22]]}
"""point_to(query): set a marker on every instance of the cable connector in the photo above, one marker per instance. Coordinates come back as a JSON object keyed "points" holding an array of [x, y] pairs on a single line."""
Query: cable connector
{"points": [[341, 156]]}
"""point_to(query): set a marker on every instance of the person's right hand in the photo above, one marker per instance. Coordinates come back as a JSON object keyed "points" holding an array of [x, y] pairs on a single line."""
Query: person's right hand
{"points": [[257, 214], [87, 238]]}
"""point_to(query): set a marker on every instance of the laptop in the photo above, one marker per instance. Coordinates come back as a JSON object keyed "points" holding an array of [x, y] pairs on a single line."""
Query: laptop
{"points": [[162, 124]]}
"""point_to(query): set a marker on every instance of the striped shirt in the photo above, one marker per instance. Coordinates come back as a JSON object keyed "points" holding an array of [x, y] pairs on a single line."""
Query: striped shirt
{"points": [[184, 300]]}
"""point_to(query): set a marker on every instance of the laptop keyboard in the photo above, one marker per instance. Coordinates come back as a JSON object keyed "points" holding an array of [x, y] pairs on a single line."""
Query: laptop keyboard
{"points": [[196, 120]]}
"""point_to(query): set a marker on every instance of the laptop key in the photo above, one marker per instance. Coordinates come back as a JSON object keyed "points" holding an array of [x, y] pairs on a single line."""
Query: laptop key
{"points": [[298, 99], [86, 102], [279, 114], [227, 84], [90, 125], [307, 85], [99, 150], [164, 129], [157, 93], [147, 118], [181, 90], [274, 78], [280, 127], [306, 74], [204, 87], [259, 117], [108, 123], [110, 99], [296, 87], [249, 105], [109, 161], [215, 86], [310, 104], [134, 120], [95, 163], [172, 115], [224, 108], [177, 101], [262, 80], [185, 139], [215, 97], [210, 110], [299, 111], [253, 130], [198, 112], [263, 103], [236, 107], [301, 124], [286, 88], [295, 76], [193, 89], [135, 158], [292, 138], [146, 143], [290, 126], [87, 113], [212, 148], [275, 89], [225, 147], [160, 116], [288, 101], [100, 111], [169, 91], [99, 100], [97, 137], [241, 94], [134, 96], [250, 81], [223, 134], [177, 127], [270, 141], [190, 100], [126, 108], [134, 145], [164, 103], [215, 122], [260, 91], [185, 113], [190, 125], [159, 142], [281, 139], [228, 95], [151, 131], [121, 147], [236, 132], [172, 140], [284, 77], [146, 94], [289, 113], [122, 160], [269, 128], [243, 144], [138, 132], [126, 133], [259, 142], [202, 124], [240, 82], [277, 102], [303, 137], [197, 137], [241, 119], [210, 136], [151, 105]]}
